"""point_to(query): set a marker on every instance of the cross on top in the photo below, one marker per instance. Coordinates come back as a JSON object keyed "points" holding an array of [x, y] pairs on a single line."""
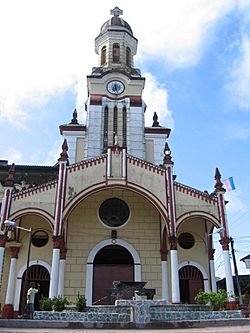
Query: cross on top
{"points": [[116, 11]]}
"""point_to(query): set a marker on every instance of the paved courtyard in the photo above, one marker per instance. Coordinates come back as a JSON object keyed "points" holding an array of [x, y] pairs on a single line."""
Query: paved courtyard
{"points": [[233, 329]]}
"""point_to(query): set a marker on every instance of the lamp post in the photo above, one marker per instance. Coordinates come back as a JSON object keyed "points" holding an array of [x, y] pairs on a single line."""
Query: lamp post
{"points": [[12, 224]]}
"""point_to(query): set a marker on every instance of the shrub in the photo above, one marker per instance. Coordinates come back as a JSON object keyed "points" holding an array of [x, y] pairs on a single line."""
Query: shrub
{"points": [[45, 304], [59, 303], [216, 299], [80, 303]]}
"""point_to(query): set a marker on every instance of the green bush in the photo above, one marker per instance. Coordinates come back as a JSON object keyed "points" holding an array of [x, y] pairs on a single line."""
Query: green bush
{"points": [[216, 299], [56, 304], [45, 304], [80, 303], [59, 303]]}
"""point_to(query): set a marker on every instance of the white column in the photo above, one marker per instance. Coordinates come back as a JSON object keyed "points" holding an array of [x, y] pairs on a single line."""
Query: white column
{"points": [[1, 261], [175, 277], [11, 282], [164, 272], [89, 284], [228, 274], [212, 275], [109, 163], [54, 273], [61, 278], [124, 165]]}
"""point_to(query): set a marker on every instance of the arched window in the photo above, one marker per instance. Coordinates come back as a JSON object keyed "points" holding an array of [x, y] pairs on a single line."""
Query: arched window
{"points": [[116, 52], [105, 130], [115, 123], [128, 56], [124, 127], [103, 55]]}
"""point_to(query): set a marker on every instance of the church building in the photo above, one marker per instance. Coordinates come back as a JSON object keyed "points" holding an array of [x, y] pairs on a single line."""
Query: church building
{"points": [[111, 208]]}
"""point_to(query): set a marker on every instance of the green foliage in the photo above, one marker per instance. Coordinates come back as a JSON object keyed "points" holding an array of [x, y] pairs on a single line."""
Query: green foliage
{"points": [[80, 303], [216, 299], [45, 304], [56, 304], [59, 303]]}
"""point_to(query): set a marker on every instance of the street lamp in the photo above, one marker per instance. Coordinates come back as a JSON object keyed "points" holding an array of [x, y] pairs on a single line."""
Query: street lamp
{"points": [[12, 224]]}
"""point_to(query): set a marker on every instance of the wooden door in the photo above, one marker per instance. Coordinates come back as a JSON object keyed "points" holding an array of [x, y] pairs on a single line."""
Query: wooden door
{"points": [[191, 282], [112, 263]]}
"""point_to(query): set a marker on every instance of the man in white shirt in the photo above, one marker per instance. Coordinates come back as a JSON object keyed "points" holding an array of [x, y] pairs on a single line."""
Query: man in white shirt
{"points": [[31, 298]]}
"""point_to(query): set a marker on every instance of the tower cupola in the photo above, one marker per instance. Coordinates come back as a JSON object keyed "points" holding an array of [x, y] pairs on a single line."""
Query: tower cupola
{"points": [[115, 45]]}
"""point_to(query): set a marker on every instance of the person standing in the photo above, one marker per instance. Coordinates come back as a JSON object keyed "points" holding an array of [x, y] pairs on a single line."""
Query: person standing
{"points": [[31, 293]]}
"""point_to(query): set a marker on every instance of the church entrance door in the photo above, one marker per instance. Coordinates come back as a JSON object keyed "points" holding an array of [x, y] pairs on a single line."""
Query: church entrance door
{"points": [[191, 282], [111, 263], [37, 274]]}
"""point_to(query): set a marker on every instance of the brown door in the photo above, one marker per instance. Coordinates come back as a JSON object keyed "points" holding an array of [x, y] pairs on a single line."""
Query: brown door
{"points": [[191, 282], [112, 263], [36, 274]]}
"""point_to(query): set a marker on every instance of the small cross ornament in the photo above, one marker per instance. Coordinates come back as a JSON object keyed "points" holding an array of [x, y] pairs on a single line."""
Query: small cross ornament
{"points": [[116, 11]]}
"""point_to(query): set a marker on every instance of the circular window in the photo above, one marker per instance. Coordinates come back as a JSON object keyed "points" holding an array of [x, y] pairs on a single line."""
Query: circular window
{"points": [[114, 212], [186, 240], [40, 238]]}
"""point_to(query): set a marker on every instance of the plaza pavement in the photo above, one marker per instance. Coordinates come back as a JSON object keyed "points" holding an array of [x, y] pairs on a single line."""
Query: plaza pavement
{"points": [[224, 329]]}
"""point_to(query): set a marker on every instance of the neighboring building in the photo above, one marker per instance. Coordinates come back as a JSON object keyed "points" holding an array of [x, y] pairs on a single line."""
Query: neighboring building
{"points": [[246, 260], [244, 282], [110, 210]]}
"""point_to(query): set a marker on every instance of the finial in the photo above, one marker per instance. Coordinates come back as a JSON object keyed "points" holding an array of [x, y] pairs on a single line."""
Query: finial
{"points": [[64, 155], [116, 11], [218, 184], [167, 155], [10, 178], [74, 119], [116, 140], [155, 119]]}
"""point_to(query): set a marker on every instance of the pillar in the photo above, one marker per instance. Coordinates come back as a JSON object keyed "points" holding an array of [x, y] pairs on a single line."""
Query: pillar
{"points": [[168, 165], [53, 287], [164, 264], [174, 270], [213, 285], [61, 272], [5, 209], [3, 239], [7, 312], [225, 240], [58, 243]]}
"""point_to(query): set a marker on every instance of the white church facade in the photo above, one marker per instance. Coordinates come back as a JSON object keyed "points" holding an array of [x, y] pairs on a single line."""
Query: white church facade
{"points": [[113, 210]]}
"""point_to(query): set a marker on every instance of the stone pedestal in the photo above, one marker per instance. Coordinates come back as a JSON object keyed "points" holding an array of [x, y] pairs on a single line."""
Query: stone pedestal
{"points": [[141, 309]]}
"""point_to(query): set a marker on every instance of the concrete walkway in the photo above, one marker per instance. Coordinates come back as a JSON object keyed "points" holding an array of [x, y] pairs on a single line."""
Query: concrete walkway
{"points": [[227, 329], [226, 325]]}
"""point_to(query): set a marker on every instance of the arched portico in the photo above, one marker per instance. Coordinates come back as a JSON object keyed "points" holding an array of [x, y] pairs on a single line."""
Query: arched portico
{"points": [[90, 261], [19, 280], [33, 211], [192, 278], [197, 214], [150, 197]]}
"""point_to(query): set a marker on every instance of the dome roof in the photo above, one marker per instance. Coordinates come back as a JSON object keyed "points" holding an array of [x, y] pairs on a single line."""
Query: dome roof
{"points": [[116, 22]]}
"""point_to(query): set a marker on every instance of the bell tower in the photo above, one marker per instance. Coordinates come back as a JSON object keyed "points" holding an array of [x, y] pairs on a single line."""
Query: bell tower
{"points": [[115, 109]]}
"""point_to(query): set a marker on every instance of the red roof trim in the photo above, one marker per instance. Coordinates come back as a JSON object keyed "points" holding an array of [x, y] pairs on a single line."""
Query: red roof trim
{"points": [[157, 130], [195, 193], [73, 128]]}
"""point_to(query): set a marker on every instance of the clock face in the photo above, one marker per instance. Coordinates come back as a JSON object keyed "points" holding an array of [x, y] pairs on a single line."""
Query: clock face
{"points": [[115, 87]]}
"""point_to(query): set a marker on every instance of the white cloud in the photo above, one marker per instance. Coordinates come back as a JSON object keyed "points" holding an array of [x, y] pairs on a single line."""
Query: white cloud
{"points": [[239, 86], [12, 155], [53, 154], [156, 98], [176, 31], [48, 46]]}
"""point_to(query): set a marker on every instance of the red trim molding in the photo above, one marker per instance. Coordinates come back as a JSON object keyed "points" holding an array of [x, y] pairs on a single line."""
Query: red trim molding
{"points": [[195, 193]]}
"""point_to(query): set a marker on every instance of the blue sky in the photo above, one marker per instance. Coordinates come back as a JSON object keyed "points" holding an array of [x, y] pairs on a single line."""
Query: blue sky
{"points": [[195, 55]]}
